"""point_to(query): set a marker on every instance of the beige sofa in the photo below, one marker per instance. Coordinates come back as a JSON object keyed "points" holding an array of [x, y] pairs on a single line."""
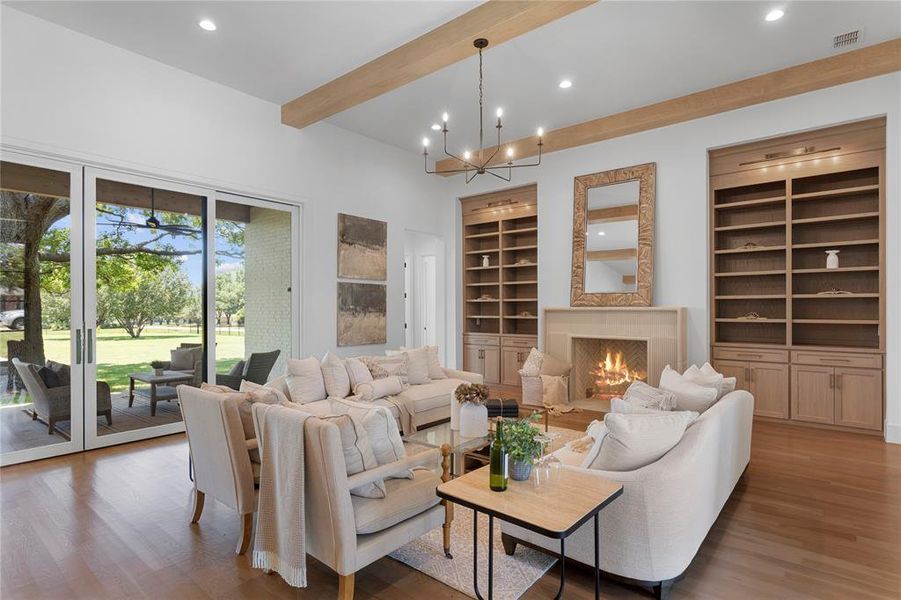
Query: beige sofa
{"points": [[651, 533], [430, 402]]}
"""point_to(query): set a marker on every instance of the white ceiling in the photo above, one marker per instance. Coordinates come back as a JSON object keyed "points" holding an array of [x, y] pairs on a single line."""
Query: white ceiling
{"points": [[620, 55]]}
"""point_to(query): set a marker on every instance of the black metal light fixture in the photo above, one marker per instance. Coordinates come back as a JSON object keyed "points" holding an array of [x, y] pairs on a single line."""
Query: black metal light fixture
{"points": [[475, 163], [152, 222]]}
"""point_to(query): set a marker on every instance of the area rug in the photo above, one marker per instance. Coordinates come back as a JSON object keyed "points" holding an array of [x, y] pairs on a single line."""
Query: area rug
{"points": [[513, 575]]}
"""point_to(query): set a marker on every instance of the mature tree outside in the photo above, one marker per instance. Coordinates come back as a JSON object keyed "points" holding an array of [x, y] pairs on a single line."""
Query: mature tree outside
{"points": [[229, 294]]}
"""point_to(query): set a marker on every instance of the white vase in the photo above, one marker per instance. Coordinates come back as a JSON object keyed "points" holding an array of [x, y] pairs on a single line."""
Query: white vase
{"points": [[455, 411], [832, 259], [473, 420], [486, 260]]}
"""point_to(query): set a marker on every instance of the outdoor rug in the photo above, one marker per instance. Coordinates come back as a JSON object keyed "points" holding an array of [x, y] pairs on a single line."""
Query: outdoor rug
{"points": [[513, 575]]}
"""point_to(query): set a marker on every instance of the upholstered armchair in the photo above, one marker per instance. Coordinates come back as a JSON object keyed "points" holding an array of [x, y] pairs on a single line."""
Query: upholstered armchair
{"points": [[54, 404], [347, 532], [255, 369], [220, 455]]}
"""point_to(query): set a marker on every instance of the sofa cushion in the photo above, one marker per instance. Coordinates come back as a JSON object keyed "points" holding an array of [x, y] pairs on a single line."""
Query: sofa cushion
{"points": [[647, 396], [725, 384], [334, 374], [49, 377], [404, 498], [244, 400], [264, 393], [62, 370], [636, 440], [386, 366], [182, 359], [305, 380], [358, 373], [381, 428], [358, 454], [689, 395], [618, 405], [430, 395], [418, 366], [379, 388]]}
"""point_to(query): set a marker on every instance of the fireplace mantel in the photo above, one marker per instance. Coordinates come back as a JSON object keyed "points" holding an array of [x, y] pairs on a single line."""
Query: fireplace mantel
{"points": [[663, 327]]}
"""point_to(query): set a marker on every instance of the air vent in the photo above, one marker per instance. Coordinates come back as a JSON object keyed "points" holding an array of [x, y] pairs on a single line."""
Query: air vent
{"points": [[846, 39]]}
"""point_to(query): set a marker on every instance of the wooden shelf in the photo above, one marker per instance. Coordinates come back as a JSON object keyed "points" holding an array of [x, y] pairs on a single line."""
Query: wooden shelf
{"points": [[483, 317], [835, 218], [751, 297], [750, 250], [529, 318], [523, 230], [865, 242], [529, 247], [481, 268], [486, 251], [838, 270], [835, 296], [750, 273], [743, 203], [765, 225], [838, 192], [479, 300], [475, 236], [835, 321], [528, 282], [520, 299], [483, 284], [754, 321], [515, 266]]}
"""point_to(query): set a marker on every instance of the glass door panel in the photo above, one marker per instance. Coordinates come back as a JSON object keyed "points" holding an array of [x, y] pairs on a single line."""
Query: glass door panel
{"points": [[254, 307], [40, 309], [146, 271]]}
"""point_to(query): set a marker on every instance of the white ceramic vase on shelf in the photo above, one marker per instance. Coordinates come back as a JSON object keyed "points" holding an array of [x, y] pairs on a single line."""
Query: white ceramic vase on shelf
{"points": [[473, 420], [486, 260], [832, 259], [455, 411]]}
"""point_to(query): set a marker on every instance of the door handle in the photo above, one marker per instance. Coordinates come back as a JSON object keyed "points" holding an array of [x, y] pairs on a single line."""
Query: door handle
{"points": [[838, 381], [90, 345], [78, 348]]}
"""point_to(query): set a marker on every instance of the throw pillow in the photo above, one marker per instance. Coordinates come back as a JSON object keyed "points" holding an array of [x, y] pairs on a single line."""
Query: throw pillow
{"points": [[636, 440], [727, 385], [618, 405], [63, 372], [358, 372], [182, 359], [418, 366], [381, 427], [237, 370], [49, 377], [647, 396], [554, 390], [386, 366], [244, 400], [358, 455], [597, 430], [436, 371], [305, 382], [334, 373], [532, 366], [379, 388], [265, 393], [554, 367], [689, 395]]}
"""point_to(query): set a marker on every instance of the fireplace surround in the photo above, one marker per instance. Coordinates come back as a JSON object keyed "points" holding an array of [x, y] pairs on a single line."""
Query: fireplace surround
{"points": [[647, 338]]}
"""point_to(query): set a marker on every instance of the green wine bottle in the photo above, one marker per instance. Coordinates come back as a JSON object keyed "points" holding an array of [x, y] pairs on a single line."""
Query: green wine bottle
{"points": [[498, 469]]}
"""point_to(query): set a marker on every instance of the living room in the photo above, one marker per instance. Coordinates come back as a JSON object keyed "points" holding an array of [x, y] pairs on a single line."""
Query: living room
{"points": [[297, 201]]}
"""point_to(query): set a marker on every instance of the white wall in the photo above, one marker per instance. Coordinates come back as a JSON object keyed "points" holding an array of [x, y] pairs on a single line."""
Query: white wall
{"points": [[416, 246], [680, 151], [72, 95]]}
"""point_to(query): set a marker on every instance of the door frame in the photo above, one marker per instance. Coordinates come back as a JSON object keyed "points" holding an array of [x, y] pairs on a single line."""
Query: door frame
{"points": [[91, 174], [76, 298]]}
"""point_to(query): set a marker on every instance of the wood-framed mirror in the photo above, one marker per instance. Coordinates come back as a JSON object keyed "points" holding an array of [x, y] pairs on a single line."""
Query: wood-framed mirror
{"points": [[613, 237]]}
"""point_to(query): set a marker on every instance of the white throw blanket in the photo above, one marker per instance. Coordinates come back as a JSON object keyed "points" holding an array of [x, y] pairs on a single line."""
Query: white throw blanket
{"points": [[280, 540]]}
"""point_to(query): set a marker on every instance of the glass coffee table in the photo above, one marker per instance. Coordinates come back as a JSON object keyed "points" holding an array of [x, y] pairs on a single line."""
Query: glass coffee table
{"points": [[438, 435]]}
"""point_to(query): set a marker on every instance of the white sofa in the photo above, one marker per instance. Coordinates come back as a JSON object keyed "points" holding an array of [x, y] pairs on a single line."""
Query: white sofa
{"points": [[651, 533], [430, 402]]}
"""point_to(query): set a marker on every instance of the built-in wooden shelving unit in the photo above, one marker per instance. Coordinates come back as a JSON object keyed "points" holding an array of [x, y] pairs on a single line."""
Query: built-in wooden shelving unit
{"points": [[775, 208]]}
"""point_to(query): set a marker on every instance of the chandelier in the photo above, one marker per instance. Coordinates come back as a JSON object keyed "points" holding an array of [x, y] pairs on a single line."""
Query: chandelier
{"points": [[476, 163]]}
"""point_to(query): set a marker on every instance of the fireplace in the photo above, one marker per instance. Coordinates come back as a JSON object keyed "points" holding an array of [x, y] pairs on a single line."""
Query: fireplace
{"points": [[604, 367]]}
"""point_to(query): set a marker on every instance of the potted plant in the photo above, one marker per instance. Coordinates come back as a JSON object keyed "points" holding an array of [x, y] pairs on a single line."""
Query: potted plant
{"points": [[473, 419], [158, 367], [524, 444]]}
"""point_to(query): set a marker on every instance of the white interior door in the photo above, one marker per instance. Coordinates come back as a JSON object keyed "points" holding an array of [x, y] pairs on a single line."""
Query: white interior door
{"points": [[409, 324], [41, 300], [427, 298]]}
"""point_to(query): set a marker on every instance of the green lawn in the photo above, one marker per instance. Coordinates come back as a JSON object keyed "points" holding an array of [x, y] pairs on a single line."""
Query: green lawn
{"points": [[118, 354]]}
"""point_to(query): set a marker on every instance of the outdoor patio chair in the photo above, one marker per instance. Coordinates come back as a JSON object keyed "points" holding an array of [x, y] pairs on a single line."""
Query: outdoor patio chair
{"points": [[14, 349], [53, 404], [255, 369]]}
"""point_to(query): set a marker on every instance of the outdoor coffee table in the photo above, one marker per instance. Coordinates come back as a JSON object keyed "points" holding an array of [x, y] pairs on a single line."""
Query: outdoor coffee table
{"points": [[554, 509], [154, 380]]}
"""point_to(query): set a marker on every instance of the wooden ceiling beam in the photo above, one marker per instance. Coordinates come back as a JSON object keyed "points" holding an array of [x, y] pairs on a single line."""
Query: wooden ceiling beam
{"points": [[496, 20], [871, 61], [612, 214]]}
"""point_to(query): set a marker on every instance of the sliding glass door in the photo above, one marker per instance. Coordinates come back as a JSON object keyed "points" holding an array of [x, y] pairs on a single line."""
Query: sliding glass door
{"points": [[41, 350]]}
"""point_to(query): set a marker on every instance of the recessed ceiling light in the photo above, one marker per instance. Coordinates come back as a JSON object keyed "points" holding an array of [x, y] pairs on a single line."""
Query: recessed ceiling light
{"points": [[775, 14], [601, 233], [207, 25], [566, 84], [436, 127]]}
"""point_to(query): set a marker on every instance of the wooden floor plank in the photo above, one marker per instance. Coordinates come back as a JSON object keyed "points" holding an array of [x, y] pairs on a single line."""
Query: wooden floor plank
{"points": [[817, 515]]}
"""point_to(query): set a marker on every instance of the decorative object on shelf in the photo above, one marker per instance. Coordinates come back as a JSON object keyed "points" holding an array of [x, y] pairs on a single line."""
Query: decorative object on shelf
{"points": [[752, 316], [524, 445], [473, 419], [480, 161], [158, 367], [750, 245], [832, 259], [525, 313], [362, 248], [524, 261], [486, 297], [486, 260], [834, 292], [361, 314]]}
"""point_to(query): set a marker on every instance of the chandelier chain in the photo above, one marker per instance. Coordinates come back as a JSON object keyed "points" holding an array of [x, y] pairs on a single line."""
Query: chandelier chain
{"points": [[481, 110]]}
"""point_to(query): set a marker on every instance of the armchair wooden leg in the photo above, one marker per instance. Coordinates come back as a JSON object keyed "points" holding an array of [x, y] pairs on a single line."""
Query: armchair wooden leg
{"points": [[199, 497], [246, 530], [448, 506], [346, 587]]}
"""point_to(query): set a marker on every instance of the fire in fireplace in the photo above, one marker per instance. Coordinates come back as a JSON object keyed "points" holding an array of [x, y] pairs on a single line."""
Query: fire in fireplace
{"points": [[605, 368]]}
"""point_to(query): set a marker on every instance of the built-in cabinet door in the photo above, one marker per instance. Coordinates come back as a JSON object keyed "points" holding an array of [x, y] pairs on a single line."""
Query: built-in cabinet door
{"points": [[491, 364], [858, 398], [813, 394], [472, 359], [769, 385], [738, 369], [510, 365]]}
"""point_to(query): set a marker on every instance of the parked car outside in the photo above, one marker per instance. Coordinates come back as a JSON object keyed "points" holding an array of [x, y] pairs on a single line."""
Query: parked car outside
{"points": [[14, 319]]}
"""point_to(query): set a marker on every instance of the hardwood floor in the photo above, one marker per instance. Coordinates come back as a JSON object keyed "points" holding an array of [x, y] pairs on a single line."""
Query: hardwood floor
{"points": [[817, 515]]}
